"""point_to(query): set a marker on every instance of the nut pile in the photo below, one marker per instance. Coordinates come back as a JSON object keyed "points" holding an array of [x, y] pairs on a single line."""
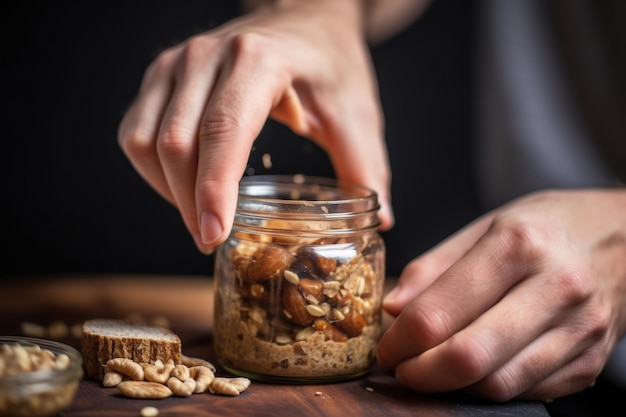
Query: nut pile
{"points": [[161, 380], [289, 310], [17, 359]]}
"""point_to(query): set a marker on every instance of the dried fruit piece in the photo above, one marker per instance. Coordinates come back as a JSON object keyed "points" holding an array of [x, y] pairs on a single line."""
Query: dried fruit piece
{"points": [[330, 330], [352, 324]]}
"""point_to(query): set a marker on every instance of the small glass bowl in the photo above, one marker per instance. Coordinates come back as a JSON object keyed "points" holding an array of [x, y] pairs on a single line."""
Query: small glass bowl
{"points": [[37, 393]]}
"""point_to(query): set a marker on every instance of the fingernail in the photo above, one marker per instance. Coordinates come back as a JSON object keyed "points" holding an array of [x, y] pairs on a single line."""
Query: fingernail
{"points": [[386, 215], [210, 228]]}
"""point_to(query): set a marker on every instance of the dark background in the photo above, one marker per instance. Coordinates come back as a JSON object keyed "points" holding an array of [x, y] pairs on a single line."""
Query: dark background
{"points": [[72, 203]]}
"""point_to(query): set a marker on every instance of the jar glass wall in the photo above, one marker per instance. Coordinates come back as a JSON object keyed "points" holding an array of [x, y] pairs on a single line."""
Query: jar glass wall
{"points": [[299, 281]]}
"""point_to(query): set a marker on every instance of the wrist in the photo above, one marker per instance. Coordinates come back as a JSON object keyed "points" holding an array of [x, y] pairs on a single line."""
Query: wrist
{"points": [[350, 11]]}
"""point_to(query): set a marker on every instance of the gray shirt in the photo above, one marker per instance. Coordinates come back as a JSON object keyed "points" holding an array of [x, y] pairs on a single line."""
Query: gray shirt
{"points": [[546, 118]]}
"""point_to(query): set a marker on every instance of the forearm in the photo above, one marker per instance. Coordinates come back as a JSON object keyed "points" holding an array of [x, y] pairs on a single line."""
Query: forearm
{"points": [[379, 19]]}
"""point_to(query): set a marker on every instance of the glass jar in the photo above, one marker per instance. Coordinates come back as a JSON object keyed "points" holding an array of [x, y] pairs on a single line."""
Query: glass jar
{"points": [[299, 282]]}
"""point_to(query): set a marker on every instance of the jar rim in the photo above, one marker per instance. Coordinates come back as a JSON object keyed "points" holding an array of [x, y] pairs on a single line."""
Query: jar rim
{"points": [[298, 188], [341, 205]]}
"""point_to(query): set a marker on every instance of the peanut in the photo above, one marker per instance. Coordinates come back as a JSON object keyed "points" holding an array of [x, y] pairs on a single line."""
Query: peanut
{"points": [[149, 412]]}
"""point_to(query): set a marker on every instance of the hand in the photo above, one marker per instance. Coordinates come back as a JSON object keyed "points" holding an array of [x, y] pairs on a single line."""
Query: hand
{"points": [[527, 302], [202, 104]]}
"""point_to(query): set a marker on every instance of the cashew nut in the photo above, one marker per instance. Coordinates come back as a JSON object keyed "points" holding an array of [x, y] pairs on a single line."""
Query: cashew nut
{"points": [[181, 372], [111, 379], [158, 372], [126, 367], [203, 376], [190, 361], [144, 389], [181, 388], [229, 386]]}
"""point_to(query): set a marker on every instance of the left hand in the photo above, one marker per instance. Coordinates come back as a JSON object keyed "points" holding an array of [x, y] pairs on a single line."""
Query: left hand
{"points": [[527, 302]]}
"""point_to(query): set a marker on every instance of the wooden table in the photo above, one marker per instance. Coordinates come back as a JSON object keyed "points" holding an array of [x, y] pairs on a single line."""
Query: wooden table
{"points": [[187, 305]]}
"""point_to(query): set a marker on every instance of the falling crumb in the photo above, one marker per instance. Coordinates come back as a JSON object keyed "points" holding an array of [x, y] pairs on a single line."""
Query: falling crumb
{"points": [[267, 160], [318, 393], [370, 389], [149, 412], [298, 179], [324, 209]]}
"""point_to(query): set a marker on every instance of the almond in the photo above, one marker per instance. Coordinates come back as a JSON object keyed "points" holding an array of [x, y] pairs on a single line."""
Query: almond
{"points": [[271, 265], [319, 265], [295, 305]]}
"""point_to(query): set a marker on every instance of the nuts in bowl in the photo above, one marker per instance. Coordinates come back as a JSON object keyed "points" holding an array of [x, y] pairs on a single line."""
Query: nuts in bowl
{"points": [[38, 377]]}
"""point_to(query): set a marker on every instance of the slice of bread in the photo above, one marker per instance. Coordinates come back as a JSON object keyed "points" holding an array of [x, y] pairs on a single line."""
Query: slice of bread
{"points": [[105, 339]]}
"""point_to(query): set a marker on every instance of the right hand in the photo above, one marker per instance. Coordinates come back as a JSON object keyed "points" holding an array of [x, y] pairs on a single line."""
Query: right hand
{"points": [[202, 104]]}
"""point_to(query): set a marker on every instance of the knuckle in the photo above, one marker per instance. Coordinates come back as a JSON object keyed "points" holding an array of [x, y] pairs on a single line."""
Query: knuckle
{"points": [[135, 144], [598, 324], [575, 285], [220, 122], [197, 46], [194, 53], [174, 142], [520, 241], [431, 324], [162, 63], [247, 45], [502, 385], [472, 361], [499, 390]]}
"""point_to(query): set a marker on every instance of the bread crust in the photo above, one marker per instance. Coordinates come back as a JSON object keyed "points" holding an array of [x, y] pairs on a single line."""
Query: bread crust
{"points": [[104, 339]]}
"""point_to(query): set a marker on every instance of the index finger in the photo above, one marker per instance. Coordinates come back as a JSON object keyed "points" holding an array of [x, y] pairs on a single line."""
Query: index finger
{"points": [[240, 104]]}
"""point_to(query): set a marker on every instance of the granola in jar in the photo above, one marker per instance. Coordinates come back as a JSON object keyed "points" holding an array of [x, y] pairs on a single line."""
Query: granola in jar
{"points": [[299, 282]]}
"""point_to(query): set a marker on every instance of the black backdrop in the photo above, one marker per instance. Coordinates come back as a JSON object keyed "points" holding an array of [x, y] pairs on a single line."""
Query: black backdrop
{"points": [[71, 202]]}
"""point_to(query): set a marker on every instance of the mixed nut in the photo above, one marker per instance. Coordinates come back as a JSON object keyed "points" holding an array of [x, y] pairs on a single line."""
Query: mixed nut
{"points": [[35, 381], [160, 380], [284, 293]]}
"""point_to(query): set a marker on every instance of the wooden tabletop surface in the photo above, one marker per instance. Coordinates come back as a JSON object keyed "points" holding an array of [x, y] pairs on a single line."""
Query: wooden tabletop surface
{"points": [[185, 304]]}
